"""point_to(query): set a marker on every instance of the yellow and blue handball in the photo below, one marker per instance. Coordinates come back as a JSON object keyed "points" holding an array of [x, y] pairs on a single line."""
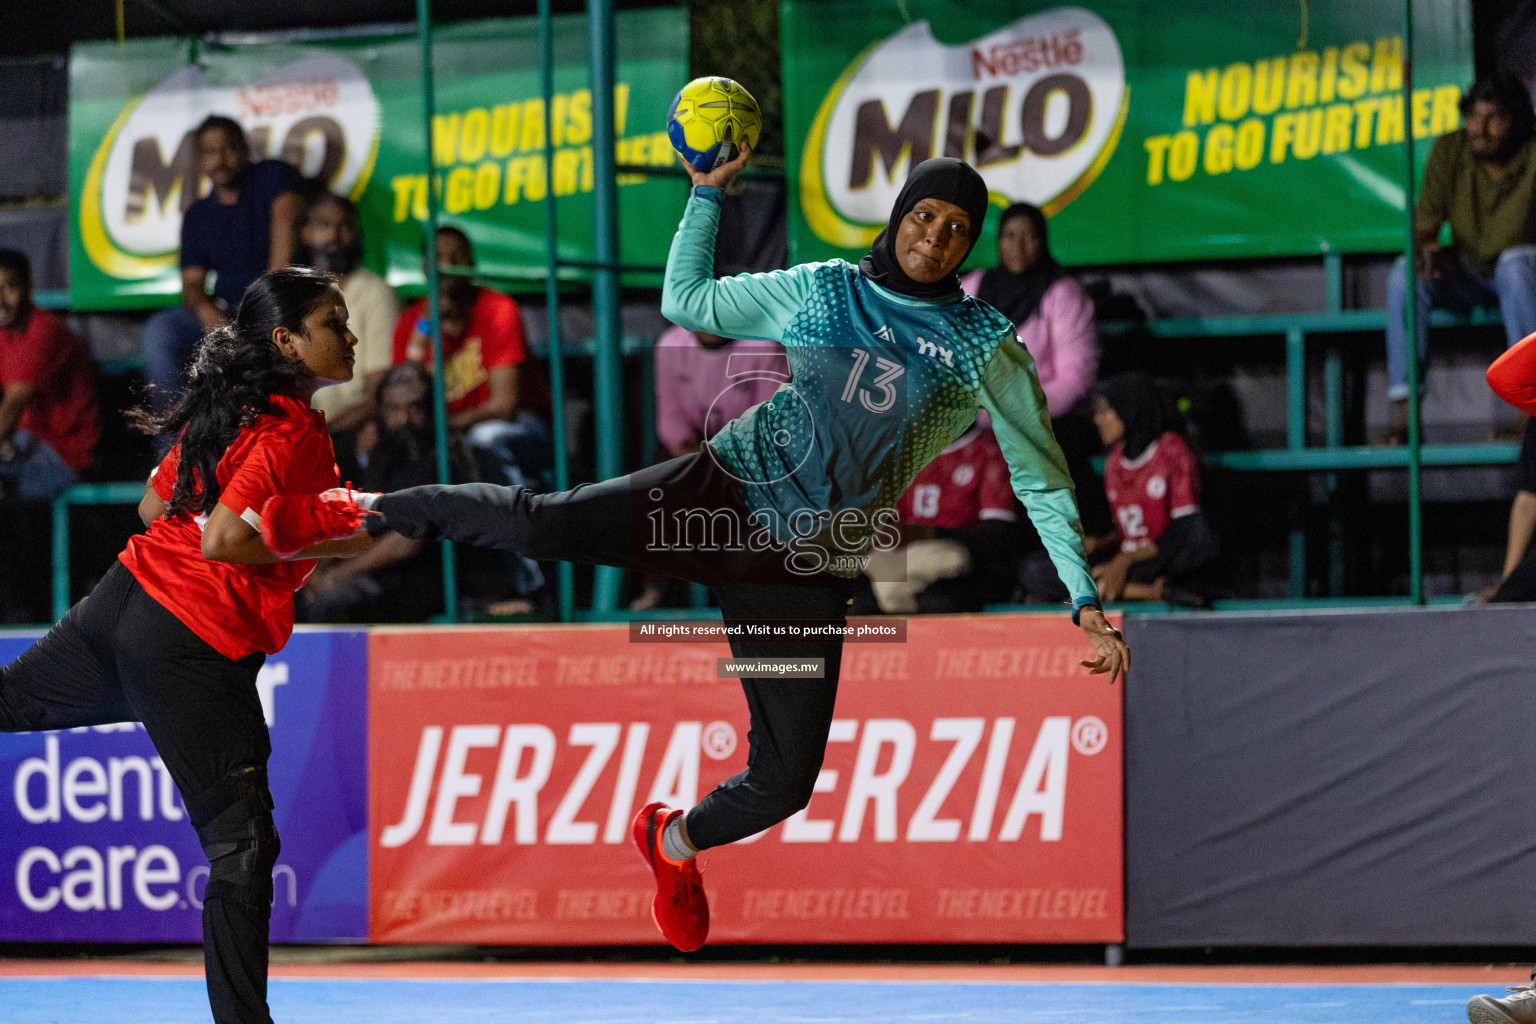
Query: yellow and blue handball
{"points": [[710, 119]]}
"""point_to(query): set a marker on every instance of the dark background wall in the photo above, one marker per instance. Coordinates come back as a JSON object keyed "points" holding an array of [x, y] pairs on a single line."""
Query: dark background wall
{"points": [[1354, 779]]}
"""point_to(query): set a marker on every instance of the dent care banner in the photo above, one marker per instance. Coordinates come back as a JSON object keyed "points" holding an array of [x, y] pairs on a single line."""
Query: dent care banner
{"points": [[971, 790], [347, 112], [1146, 130], [95, 844]]}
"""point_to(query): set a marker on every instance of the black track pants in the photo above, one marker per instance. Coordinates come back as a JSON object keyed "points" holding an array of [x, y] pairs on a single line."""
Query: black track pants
{"points": [[684, 519], [119, 656]]}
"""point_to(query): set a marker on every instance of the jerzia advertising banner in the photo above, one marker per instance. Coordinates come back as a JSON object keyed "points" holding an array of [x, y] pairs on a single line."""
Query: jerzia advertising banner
{"points": [[347, 112], [94, 838], [507, 765], [1146, 130]]}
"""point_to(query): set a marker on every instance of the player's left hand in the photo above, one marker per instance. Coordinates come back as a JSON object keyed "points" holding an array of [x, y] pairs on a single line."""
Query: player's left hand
{"points": [[722, 176], [1114, 657]]}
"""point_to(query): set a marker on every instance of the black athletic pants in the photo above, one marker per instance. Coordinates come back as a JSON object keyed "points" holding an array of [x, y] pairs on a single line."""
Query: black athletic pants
{"points": [[684, 519], [119, 656]]}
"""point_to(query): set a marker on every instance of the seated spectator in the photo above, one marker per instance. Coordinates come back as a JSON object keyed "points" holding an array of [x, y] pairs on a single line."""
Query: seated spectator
{"points": [[958, 534], [1054, 318], [1152, 483], [248, 224], [333, 242], [483, 348], [397, 580], [1481, 179], [49, 424], [704, 381]]}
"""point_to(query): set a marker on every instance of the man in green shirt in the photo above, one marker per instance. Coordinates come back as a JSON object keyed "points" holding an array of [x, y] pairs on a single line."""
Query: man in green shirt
{"points": [[1481, 180]]}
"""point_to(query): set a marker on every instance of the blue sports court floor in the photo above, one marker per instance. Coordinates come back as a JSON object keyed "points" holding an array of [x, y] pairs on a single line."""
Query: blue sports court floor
{"points": [[180, 1000]]}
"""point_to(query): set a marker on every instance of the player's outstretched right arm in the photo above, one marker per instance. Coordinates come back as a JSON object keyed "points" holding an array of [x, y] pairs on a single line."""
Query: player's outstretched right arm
{"points": [[1513, 375], [757, 306]]}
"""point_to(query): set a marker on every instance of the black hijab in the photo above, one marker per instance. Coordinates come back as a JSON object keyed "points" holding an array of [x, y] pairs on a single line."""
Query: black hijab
{"points": [[1144, 409], [1017, 296], [953, 181]]}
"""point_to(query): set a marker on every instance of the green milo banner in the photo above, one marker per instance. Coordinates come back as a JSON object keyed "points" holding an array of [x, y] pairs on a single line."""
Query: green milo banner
{"points": [[1147, 130], [348, 113]]}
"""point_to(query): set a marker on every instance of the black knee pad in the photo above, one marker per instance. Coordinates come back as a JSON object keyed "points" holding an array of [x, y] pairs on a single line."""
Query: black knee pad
{"points": [[234, 824]]}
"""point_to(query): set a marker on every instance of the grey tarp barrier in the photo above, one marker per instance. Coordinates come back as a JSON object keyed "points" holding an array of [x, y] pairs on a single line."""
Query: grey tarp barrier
{"points": [[1332, 779]]}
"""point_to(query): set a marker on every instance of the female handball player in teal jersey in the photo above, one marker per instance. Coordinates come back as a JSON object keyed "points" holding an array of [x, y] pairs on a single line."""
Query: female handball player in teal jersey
{"points": [[778, 511]]}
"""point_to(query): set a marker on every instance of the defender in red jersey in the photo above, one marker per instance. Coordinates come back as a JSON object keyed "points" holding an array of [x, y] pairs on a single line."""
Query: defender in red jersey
{"points": [[1513, 375], [959, 534], [176, 632], [966, 484], [237, 608]]}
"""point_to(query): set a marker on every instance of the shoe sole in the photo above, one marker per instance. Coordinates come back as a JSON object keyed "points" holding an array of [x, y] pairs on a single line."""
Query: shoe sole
{"points": [[1481, 1013]]}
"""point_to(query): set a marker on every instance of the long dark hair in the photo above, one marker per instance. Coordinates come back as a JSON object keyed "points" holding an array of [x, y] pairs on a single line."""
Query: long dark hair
{"points": [[234, 374]]}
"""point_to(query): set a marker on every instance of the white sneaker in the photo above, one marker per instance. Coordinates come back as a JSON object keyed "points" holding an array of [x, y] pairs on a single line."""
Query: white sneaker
{"points": [[1519, 1007]]}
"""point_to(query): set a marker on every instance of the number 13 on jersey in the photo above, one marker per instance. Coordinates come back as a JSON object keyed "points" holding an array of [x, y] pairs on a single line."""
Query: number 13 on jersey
{"points": [[886, 373]]}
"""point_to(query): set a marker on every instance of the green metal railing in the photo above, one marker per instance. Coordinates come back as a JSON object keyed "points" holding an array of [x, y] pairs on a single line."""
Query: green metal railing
{"points": [[608, 348], [1410, 316], [1301, 332], [81, 494], [434, 323]]}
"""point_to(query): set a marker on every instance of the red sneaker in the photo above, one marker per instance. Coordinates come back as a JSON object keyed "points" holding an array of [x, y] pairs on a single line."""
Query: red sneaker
{"points": [[681, 909], [292, 522]]}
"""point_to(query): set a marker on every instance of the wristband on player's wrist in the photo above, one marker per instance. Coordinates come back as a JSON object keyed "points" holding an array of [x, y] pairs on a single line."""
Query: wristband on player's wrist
{"points": [[1077, 610]]}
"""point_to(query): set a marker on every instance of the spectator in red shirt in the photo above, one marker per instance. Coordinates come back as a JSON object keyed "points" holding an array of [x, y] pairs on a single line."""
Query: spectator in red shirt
{"points": [[49, 424], [958, 534], [483, 349]]}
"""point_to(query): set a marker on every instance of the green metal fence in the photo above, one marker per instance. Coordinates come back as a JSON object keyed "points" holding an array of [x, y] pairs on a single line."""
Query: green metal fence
{"points": [[607, 348]]}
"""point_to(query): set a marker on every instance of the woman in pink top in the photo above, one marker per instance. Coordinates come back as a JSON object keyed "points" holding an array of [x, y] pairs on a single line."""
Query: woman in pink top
{"points": [[1054, 318], [704, 381], [1052, 313]]}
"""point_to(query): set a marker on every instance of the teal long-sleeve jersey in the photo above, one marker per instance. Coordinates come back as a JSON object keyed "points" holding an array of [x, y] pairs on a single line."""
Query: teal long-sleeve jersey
{"points": [[880, 384]]}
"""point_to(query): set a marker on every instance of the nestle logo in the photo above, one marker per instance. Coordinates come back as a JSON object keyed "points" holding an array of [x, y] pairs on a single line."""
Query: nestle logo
{"points": [[289, 97], [1028, 55]]}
